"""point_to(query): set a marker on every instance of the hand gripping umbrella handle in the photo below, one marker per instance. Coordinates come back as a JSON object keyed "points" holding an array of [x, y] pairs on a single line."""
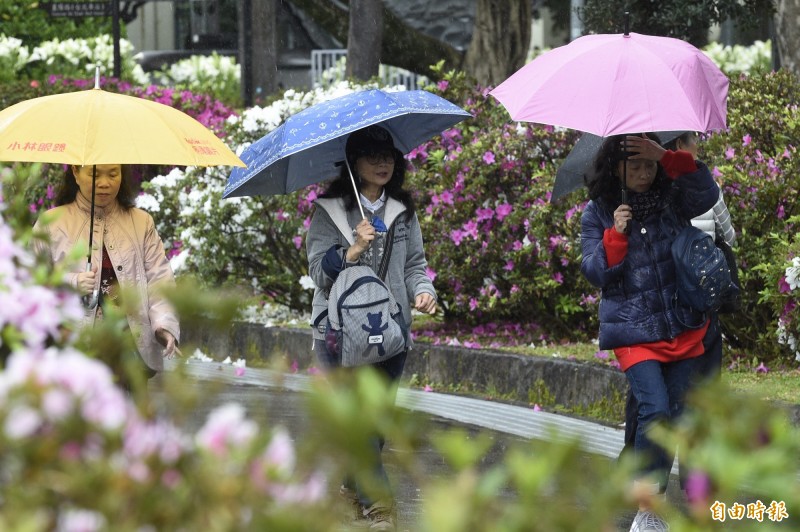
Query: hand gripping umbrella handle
{"points": [[90, 300]]}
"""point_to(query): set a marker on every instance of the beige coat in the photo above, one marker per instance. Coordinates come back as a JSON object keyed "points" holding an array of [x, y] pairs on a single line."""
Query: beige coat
{"points": [[137, 253]]}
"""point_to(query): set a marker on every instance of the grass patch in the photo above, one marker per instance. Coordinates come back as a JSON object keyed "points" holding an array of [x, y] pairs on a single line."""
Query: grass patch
{"points": [[773, 386]]}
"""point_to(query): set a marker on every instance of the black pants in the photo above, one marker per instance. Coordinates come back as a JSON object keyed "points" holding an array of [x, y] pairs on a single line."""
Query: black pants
{"points": [[392, 369]]}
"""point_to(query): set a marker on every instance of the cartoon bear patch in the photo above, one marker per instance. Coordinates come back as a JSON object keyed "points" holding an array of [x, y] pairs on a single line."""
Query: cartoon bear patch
{"points": [[375, 331]]}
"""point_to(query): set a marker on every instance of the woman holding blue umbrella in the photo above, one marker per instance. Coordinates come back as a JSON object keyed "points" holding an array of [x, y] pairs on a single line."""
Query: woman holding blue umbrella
{"points": [[389, 226]]}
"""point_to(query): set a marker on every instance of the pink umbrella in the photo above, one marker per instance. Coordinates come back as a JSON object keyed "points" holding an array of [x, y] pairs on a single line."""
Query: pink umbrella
{"points": [[619, 83]]}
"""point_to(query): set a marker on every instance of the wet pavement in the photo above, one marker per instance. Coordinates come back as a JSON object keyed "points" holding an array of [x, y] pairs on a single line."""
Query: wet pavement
{"points": [[275, 398]]}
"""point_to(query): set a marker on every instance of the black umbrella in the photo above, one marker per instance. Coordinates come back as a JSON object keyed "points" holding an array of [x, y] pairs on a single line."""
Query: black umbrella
{"points": [[570, 175]]}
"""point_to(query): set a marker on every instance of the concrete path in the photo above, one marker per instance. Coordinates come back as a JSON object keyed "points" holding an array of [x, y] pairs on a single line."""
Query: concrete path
{"points": [[500, 417], [270, 398]]}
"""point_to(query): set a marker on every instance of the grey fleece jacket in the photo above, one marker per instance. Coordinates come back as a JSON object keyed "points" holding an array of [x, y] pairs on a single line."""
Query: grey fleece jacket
{"points": [[331, 233]]}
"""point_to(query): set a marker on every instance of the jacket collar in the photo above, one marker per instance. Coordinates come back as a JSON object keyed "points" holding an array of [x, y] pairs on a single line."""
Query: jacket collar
{"points": [[86, 206], [335, 209]]}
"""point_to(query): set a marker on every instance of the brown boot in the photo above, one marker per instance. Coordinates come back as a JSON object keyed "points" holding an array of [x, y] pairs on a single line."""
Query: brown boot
{"points": [[381, 516]]}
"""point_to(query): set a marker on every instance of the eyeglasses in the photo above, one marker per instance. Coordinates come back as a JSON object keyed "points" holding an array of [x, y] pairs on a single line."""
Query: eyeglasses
{"points": [[379, 158]]}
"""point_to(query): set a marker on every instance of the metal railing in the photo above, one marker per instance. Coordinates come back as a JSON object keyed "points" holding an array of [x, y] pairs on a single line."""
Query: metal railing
{"points": [[328, 66]]}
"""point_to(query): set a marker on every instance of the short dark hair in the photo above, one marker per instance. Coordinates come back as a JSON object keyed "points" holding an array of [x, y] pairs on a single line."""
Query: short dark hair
{"points": [[68, 188], [364, 142], [602, 179]]}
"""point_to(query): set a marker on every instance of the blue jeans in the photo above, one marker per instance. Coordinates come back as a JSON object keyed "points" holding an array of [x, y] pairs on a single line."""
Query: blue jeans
{"points": [[707, 366], [660, 392], [392, 369]]}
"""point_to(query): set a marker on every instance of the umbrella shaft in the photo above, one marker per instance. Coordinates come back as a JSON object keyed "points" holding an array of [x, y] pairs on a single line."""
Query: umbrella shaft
{"points": [[91, 217]]}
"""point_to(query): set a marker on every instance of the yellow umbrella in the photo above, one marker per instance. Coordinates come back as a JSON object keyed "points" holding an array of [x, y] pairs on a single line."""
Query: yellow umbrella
{"points": [[99, 127]]}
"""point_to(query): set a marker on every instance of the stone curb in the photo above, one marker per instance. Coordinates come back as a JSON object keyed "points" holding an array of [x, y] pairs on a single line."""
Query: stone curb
{"points": [[510, 376]]}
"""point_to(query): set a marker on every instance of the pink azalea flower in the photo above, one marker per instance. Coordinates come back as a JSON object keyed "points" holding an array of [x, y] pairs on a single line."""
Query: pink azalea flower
{"points": [[294, 367], [239, 371], [298, 241], [602, 355], [730, 153], [536, 407], [509, 265], [280, 455], [781, 214], [488, 157], [447, 197], [22, 422], [783, 286], [503, 210], [471, 229], [716, 173], [483, 214], [473, 303], [430, 273], [762, 368], [427, 388], [746, 140], [442, 85], [226, 428], [456, 235], [698, 487], [558, 277]]}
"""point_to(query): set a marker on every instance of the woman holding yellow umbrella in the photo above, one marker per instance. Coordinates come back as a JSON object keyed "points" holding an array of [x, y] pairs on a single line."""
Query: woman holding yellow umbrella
{"points": [[98, 133], [127, 257]]}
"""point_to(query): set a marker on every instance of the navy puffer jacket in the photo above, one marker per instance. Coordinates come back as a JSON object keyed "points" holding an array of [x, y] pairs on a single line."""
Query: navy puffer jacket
{"points": [[637, 302]]}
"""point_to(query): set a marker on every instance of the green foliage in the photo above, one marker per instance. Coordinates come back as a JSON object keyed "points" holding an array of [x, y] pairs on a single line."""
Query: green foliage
{"points": [[27, 21], [759, 167], [737, 449], [689, 20]]}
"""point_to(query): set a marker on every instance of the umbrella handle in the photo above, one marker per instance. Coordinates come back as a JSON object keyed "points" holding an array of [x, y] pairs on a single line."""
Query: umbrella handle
{"points": [[355, 188], [90, 300]]}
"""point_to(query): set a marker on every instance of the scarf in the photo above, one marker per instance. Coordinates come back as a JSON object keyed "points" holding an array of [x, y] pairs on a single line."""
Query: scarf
{"points": [[644, 204]]}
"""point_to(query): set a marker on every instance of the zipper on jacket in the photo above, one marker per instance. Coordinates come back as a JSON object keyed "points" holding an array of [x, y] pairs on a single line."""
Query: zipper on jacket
{"points": [[650, 252]]}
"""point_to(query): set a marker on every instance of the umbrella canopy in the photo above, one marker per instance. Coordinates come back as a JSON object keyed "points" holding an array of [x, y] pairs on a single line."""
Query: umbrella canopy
{"points": [[611, 84], [570, 175], [307, 147], [99, 127]]}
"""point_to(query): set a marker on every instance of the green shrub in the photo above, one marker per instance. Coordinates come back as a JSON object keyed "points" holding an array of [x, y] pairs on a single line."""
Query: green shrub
{"points": [[758, 163]]}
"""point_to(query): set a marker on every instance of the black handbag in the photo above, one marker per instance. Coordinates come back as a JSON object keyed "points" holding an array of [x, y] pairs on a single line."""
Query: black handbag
{"points": [[732, 302]]}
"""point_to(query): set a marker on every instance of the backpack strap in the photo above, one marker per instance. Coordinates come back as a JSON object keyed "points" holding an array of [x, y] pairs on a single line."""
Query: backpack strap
{"points": [[383, 268]]}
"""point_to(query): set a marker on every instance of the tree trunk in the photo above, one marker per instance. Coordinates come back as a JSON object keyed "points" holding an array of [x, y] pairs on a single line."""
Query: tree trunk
{"points": [[787, 33], [402, 46], [500, 40], [364, 39], [265, 48]]}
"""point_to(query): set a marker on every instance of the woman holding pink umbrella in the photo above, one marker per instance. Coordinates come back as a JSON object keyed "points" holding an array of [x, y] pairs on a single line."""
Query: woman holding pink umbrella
{"points": [[641, 197]]}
